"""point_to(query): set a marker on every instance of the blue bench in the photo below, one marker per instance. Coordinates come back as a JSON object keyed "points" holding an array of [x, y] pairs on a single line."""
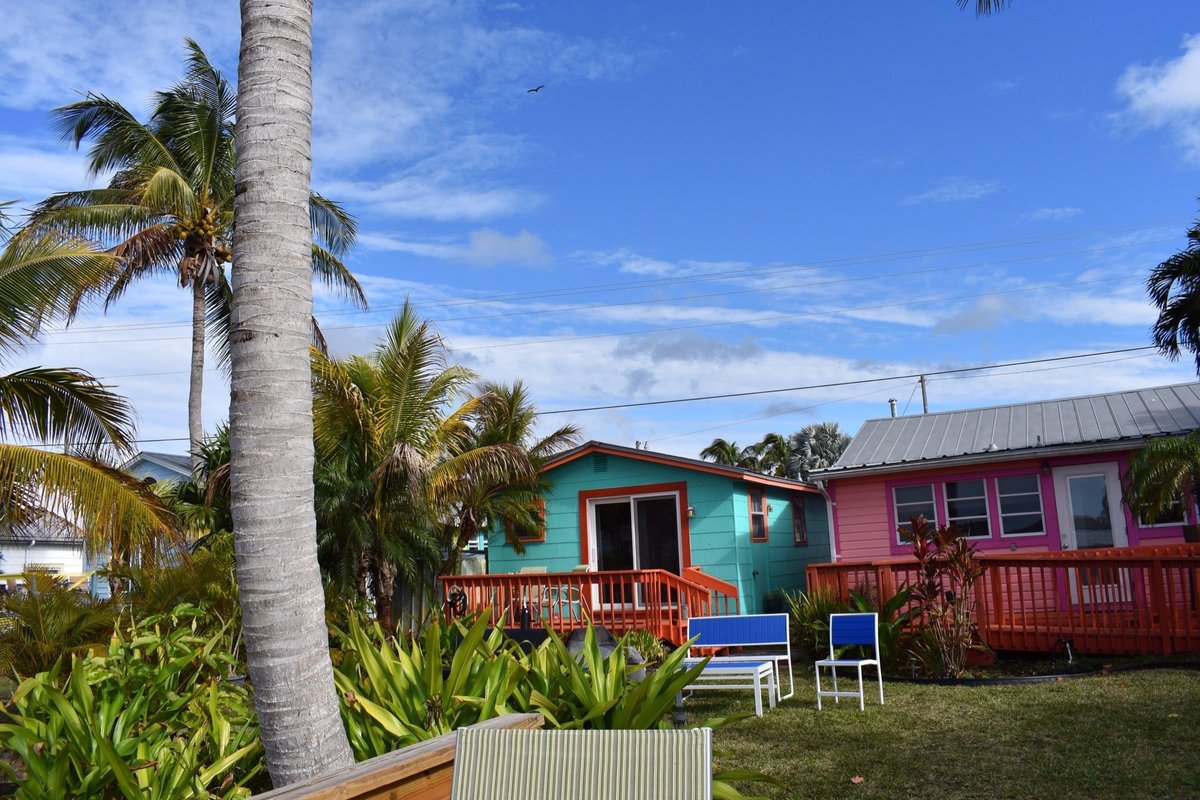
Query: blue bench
{"points": [[763, 648]]}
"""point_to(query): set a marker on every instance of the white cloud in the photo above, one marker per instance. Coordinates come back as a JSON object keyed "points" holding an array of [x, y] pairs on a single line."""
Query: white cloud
{"points": [[422, 197], [1167, 95], [1052, 214], [485, 247], [51, 51], [953, 190], [31, 172]]}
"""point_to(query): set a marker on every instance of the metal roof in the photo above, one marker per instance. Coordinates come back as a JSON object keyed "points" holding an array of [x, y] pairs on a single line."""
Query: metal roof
{"points": [[1000, 431]]}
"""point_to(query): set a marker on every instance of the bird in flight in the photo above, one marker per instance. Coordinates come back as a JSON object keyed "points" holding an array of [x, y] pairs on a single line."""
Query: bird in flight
{"points": [[535, 89]]}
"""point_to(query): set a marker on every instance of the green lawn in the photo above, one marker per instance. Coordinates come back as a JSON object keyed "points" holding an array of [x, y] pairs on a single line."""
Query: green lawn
{"points": [[1128, 735]]}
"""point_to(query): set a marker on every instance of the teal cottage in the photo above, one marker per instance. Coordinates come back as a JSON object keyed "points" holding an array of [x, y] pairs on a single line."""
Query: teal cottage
{"points": [[616, 509]]}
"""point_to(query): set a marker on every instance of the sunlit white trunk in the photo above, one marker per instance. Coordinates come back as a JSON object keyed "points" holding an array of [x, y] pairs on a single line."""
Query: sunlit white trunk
{"points": [[271, 404], [196, 386]]}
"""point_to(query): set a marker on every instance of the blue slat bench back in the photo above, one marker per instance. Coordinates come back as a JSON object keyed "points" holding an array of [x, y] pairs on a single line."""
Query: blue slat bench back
{"points": [[740, 631]]}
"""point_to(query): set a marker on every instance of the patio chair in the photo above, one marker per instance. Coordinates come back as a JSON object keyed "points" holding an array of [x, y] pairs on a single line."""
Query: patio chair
{"points": [[563, 603], [845, 630], [582, 764]]}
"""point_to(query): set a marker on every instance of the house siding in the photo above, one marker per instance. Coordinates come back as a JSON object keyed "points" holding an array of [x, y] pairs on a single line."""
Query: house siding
{"points": [[717, 537], [865, 524]]}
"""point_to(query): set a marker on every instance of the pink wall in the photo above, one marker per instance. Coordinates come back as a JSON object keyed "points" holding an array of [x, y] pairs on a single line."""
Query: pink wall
{"points": [[864, 523]]}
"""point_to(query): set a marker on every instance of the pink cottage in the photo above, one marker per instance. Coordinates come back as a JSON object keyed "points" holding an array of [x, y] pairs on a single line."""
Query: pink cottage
{"points": [[1032, 477]]}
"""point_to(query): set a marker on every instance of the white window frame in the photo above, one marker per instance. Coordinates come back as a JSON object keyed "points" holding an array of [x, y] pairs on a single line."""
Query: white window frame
{"points": [[1183, 507], [903, 519], [987, 509], [1000, 506]]}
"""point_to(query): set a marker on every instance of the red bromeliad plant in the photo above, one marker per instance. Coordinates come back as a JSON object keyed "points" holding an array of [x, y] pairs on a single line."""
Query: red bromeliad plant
{"points": [[947, 571]]}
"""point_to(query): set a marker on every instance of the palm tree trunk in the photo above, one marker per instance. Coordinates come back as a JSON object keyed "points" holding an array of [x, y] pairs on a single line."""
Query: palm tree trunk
{"points": [[196, 387], [271, 433]]}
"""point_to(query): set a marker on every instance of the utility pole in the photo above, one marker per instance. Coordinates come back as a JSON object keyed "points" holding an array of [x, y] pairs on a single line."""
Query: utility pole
{"points": [[924, 397]]}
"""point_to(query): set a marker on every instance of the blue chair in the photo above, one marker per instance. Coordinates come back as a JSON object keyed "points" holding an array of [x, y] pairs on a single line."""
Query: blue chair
{"points": [[846, 630]]}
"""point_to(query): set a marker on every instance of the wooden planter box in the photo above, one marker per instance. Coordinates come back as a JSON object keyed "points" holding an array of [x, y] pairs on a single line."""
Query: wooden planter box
{"points": [[421, 770]]}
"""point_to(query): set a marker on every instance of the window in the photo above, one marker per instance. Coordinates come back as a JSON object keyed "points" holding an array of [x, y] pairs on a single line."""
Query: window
{"points": [[1020, 500], [799, 522], [758, 516], [1171, 515], [913, 501], [966, 508], [523, 534]]}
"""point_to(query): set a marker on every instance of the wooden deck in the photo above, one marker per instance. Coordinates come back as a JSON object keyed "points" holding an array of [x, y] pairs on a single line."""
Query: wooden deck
{"points": [[654, 600], [1138, 600]]}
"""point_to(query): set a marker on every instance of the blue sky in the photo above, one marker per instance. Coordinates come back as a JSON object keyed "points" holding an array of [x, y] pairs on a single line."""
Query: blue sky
{"points": [[703, 199]]}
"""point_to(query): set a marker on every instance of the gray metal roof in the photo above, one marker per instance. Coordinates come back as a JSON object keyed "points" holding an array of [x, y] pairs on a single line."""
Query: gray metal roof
{"points": [[998, 431]]}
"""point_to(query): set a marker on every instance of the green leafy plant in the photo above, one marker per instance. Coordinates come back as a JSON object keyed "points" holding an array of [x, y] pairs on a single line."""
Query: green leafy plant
{"points": [[810, 620], [591, 690], [47, 619], [944, 593], [648, 645], [396, 692], [896, 615], [151, 718]]}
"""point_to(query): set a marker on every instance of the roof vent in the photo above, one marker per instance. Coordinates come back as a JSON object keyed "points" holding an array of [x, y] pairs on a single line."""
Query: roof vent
{"points": [[600, 462]]}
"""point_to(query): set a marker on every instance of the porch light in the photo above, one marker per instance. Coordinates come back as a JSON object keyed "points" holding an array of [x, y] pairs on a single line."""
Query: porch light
{"points": [[1045, 467], [691, 511]]}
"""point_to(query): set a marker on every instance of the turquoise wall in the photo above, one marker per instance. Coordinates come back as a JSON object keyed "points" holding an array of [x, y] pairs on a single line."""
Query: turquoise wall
{"points": [[720, 531]]}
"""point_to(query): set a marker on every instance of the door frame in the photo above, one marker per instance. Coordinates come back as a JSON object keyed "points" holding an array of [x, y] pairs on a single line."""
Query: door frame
{"points": [[587, 524], [594, 543], [1088, 594]]}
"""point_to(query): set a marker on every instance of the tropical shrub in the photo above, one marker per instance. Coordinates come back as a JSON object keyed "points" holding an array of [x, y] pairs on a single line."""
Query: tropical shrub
{"points": [[48, 619], [648, 645], [396, 691], [591, 690], [896, 615], [810, 620], [151, 718], [944, 593]]}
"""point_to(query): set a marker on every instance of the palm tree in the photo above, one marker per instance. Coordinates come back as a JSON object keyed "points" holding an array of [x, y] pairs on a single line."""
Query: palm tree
{"points": [[270, 426], [395, 444], [816, 446], [1174, 287], [984, 8], [503, 439], [169, 207], [772, 456], [1162, 474], [66, 408], [722, 452]]}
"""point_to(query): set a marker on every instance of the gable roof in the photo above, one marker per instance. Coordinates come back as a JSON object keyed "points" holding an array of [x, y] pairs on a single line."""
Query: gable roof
{"points": [[737, 473], [176, 463], [1075, 424]]}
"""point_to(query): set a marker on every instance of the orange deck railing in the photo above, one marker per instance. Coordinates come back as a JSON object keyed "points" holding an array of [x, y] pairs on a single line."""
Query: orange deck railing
{"points": [[655, 600], [1114, 600]]}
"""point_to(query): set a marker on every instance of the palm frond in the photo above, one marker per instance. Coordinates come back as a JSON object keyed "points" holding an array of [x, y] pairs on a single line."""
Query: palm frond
{"points": [[119, 140], [50, 405], [331, 224], [40, 275], [335, 275], [114, 508]]}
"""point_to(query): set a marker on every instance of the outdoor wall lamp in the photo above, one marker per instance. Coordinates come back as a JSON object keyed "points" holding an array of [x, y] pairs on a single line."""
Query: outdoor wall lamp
{"points": [[691, 511], [1045, 467]]}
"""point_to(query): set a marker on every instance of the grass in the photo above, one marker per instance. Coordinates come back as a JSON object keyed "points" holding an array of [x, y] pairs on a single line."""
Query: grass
{"points": [[1126, 735]]}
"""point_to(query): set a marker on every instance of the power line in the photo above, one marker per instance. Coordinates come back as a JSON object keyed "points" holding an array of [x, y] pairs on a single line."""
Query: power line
{"points": [[835, 384]]}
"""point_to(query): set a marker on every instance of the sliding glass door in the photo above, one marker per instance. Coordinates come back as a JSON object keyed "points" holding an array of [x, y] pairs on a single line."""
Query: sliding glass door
{"points": [[636, 532]]}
